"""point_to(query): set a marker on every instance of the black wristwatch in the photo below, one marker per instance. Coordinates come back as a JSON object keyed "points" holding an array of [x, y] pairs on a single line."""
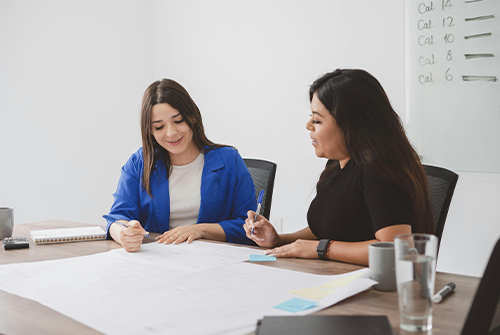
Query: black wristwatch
{"points": [[322, 248]]}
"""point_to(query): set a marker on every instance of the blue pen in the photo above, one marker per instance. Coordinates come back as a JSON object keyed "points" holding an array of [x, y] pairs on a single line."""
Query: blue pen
{"points": [[124, 225], [259, 204]]}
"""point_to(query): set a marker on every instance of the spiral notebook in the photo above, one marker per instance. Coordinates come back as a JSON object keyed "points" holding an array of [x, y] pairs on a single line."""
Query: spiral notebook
{"points": [[48, 236]]}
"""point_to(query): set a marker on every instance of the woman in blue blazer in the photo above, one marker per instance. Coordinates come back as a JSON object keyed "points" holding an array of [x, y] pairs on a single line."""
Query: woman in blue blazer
{"points": [[179, 184]]}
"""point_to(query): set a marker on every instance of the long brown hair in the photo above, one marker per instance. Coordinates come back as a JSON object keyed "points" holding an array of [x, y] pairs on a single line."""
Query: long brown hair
{"points": [[170, 92], [374, 136]]}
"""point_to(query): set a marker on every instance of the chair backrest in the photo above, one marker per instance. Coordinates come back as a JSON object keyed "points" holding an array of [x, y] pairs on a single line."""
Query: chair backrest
{"points": [[484, 313], [441, 184], [263, 173]]}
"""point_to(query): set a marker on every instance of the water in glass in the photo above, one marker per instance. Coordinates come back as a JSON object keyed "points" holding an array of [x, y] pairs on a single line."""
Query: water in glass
{"points": [[415, 277]]}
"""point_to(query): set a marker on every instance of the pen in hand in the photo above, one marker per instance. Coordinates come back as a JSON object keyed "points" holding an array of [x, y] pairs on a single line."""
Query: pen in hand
{"points": [[443, 293], [126, 226], [259, 204]]}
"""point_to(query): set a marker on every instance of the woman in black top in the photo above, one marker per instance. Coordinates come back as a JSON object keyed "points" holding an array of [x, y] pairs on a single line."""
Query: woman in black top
{"points": [[373, 187]]}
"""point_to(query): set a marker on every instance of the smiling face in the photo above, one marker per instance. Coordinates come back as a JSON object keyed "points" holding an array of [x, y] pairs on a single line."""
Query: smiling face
{"points": [[172, 132], [328, 140]]}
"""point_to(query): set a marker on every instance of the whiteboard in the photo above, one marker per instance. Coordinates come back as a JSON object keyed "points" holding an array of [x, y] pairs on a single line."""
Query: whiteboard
{"points": [[452, 82]]}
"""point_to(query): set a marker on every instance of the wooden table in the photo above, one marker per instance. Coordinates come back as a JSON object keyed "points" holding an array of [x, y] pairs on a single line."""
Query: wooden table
{"points": [[23, 316]]}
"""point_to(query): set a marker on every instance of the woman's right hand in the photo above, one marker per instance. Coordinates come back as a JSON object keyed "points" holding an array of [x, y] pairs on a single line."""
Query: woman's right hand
{"points": [[131, 237], [264, 233]]}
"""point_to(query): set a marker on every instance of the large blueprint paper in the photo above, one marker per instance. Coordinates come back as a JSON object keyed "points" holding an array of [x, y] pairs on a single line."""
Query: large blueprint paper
{"points": [[202, 288], [184, 257]]}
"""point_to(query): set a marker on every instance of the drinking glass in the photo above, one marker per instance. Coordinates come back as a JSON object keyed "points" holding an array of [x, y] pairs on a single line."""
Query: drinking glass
{"points": [[415, 256]]}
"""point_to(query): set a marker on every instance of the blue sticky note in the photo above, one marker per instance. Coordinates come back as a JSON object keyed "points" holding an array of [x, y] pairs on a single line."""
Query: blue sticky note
{"points": [[262, 258], [296, 305]]}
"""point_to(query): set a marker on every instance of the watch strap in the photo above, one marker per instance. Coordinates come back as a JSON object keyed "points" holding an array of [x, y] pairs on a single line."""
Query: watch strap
{"points": [[322, 248]]}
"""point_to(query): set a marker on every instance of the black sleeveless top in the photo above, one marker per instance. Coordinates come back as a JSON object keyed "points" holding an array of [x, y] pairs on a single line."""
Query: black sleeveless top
{"points": [[353, 204]]}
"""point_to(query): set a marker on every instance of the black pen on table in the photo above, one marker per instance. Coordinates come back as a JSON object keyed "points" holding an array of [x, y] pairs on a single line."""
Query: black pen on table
{"points": [[126, 226], [443, 293]]}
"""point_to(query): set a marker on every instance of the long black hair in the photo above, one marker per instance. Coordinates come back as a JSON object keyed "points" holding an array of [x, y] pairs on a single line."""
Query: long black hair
{"points": [[374, 136]]}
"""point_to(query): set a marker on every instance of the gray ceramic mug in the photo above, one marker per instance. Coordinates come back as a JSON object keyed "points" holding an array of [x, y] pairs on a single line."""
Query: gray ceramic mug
{"points": [[382, 265], [6, 221]]}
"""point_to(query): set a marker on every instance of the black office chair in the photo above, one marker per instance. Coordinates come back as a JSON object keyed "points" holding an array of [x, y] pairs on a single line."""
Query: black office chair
{"points": [[441, 184], [263, 173], [484, 313]]}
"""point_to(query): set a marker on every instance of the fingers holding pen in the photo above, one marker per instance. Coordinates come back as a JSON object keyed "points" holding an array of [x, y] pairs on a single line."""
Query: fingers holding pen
{"points": [[251, 219], [253, 222], [134, 224], [251, 227], [131, 235], [133, 228], [261, 231]]}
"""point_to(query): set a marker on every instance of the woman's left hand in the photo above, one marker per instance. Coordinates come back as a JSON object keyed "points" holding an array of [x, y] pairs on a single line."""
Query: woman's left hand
{"points": [[181, 234], [299, 249]]}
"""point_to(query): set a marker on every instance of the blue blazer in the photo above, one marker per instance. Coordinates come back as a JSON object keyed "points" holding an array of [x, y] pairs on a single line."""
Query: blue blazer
{"points": [[227, 193]]}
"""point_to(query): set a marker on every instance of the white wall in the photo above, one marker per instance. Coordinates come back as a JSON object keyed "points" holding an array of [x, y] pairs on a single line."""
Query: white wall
{"points": [[249, 64], [72, 75]]}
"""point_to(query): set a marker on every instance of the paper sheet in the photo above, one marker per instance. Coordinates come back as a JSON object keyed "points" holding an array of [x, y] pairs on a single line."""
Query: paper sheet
{"points": [[144, 293], [185, 257]]}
